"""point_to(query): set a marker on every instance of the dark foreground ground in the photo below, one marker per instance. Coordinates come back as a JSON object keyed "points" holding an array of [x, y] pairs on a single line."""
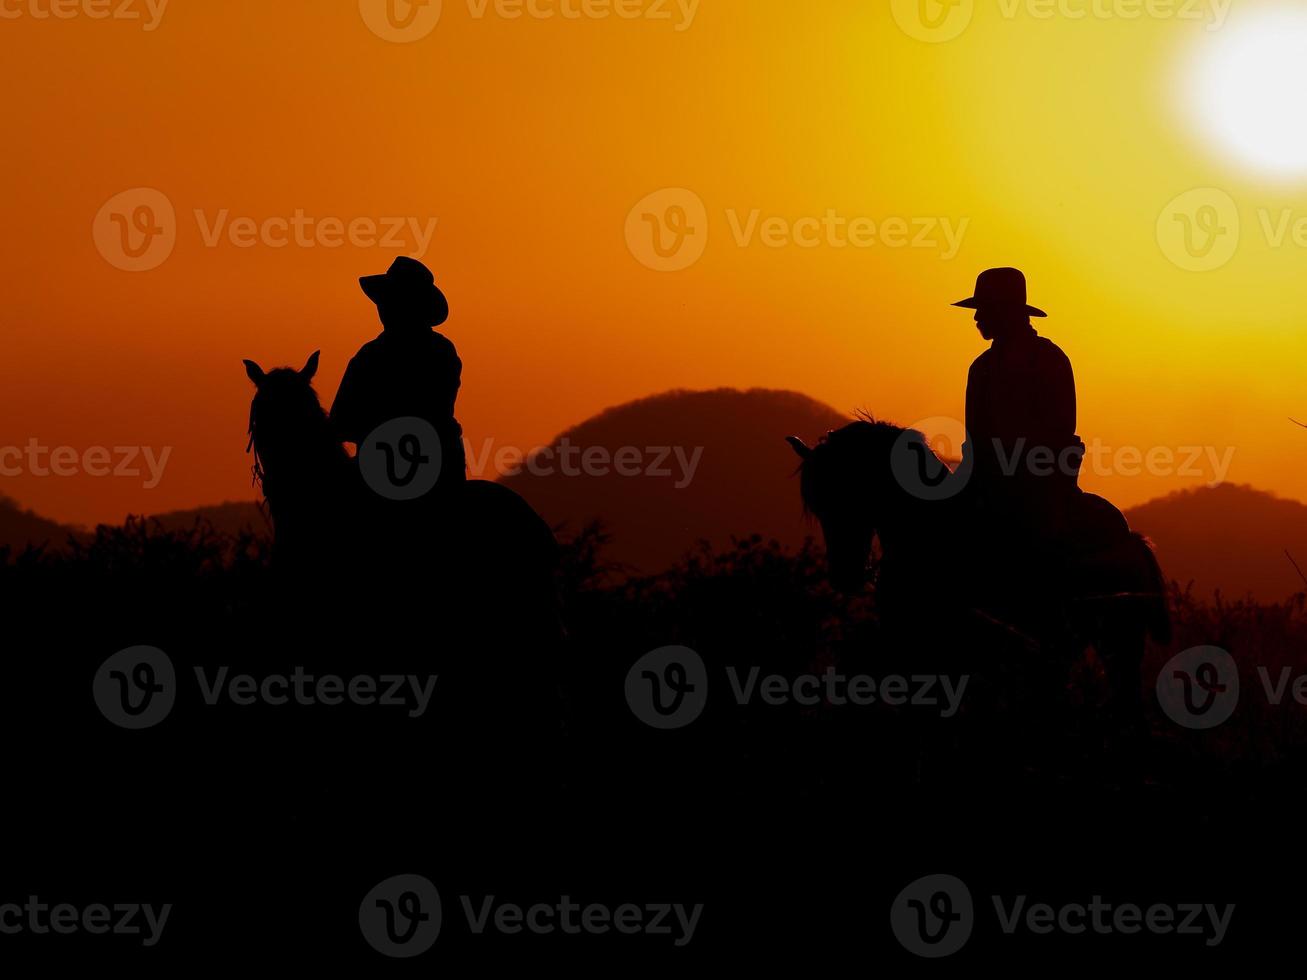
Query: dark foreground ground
{"points": [[796, 830]]}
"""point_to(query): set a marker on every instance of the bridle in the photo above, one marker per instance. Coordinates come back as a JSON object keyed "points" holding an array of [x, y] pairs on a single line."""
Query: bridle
{"points": [[258, 474]]}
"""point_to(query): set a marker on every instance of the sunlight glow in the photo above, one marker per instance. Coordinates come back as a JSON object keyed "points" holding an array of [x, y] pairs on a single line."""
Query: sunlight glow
{"points": [[1247, 89]]}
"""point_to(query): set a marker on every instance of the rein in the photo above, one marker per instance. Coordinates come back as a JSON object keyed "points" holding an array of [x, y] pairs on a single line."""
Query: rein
{"points": [[257, 472]]}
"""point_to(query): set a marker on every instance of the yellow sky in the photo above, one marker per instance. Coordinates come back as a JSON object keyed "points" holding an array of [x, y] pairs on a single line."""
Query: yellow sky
{"points": [[1055, 143]]}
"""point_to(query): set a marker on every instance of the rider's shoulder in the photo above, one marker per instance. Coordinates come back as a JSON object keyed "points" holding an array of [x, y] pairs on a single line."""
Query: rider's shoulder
{"points": [[419, 344], [982, 360], [1050, 350], [368, 355], [372, 348], [442, 344]]}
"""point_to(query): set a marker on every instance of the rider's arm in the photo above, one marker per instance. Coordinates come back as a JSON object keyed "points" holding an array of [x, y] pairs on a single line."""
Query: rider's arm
{"points": [[975, 423], [344, 410], [1062, 410], [449, 369]]}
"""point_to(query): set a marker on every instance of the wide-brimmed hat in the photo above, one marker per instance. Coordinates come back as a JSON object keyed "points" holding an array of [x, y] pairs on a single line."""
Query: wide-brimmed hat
{"points": [[1002, 291], [408, 286]]}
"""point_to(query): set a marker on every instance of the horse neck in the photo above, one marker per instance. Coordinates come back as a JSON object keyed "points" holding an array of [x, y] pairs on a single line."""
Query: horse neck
{"points": [[304, 469], [911, 529]]}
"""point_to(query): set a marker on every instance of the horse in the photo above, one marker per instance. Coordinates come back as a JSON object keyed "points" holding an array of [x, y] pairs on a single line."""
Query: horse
{"points": [[942, 583], [303, 471], [477, 551], [459, 589]]}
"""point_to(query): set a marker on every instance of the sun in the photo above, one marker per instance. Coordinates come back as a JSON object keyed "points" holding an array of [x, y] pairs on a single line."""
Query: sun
{"points": [[1246, 91]]}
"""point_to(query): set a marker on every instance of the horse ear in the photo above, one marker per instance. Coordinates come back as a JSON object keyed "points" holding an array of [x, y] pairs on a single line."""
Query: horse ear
{"points": [[255, 372], [800, 447], [311, 368]]}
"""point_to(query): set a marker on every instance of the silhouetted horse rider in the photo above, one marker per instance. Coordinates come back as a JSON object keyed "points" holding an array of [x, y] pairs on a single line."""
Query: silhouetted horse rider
{"points": [[410, 371], [1022, 448]]}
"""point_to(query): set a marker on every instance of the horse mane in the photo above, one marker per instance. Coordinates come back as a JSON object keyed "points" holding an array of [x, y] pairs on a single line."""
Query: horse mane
{"points": [[257, 473], [865, 440], [273, 395]]}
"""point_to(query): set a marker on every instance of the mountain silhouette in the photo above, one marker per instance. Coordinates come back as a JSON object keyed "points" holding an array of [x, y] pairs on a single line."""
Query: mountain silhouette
{"points": [[1229, 537], [231, 517], [20, 527], [730, 472]]}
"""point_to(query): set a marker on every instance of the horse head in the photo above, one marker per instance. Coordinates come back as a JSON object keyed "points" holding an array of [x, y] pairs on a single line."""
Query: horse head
{"points": [[848, 484], [290, 435]]}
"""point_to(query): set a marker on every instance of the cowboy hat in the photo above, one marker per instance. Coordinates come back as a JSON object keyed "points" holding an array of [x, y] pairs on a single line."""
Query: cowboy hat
{"points": [[1000, 290], [408, 286]]}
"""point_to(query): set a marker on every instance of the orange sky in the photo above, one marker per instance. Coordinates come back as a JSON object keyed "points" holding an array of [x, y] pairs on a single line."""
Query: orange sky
{"points": [[1052, 143]]}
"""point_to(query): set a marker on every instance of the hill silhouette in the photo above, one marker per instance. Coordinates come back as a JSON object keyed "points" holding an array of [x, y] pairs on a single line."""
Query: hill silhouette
{"points": [[1230, 538], [231, 517], [739, 484], [20, 527]]}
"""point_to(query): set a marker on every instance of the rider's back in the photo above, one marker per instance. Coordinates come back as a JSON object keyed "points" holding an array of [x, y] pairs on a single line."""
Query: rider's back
{"points": [[398, 375], [1021, 394]]}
